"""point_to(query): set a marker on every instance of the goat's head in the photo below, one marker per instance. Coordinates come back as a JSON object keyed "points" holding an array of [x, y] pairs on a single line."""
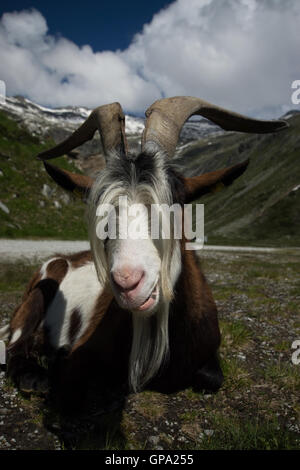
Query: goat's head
{"points": [[142, 271]]}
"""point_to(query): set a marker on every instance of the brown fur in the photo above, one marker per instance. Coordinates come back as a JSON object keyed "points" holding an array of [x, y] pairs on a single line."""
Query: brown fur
{"points": [[75, 324], [194, 335]]}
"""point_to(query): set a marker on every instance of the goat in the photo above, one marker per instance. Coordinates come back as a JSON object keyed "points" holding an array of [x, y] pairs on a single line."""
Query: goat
{"points": [[138, 312]]}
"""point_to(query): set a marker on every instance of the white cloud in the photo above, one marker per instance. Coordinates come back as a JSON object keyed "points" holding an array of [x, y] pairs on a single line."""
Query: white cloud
{"points": [[242, 54]]}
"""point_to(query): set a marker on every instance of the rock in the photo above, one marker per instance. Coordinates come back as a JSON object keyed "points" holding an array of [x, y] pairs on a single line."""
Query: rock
{"points": [[153, 440], [4, 208], [57, 204], [65, 198], [42, 203], [47, 191], [1, 173]]}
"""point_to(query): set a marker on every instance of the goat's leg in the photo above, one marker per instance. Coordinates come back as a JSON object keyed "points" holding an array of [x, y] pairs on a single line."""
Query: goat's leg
{"points": [[70, 373], [210, 376], [26, 343]]}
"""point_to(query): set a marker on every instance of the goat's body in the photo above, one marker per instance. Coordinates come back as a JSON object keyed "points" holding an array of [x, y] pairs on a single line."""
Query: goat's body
{"points": [[65, 308], [137, 310]]}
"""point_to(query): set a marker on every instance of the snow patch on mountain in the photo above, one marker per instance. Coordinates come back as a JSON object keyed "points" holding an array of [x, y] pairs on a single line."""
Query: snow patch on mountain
{"points": [[39, 120]]}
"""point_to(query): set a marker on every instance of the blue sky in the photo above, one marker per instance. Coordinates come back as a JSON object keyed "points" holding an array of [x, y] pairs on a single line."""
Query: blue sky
{"points": [[102, 24], [240, 54]]}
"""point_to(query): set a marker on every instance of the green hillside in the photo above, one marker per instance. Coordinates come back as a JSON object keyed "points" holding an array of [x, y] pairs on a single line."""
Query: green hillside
{"points": [[262, 207], [31, 214]]}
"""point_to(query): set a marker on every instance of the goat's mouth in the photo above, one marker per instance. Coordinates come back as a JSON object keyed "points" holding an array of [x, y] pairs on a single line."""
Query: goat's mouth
{"points": [[150, 301], [135, 300]]}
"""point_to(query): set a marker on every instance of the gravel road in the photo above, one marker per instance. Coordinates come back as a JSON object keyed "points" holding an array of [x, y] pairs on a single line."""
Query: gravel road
{"points": [[12, 250]]}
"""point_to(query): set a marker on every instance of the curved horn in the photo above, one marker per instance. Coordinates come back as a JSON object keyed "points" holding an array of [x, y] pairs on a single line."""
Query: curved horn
{"points": [[109, 119], [166, 117]]}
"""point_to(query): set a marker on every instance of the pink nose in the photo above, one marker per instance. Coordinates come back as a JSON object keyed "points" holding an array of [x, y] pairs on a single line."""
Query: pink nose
{"points": [[127, 277]]}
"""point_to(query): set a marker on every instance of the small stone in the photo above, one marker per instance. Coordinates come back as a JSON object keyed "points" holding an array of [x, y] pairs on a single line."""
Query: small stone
{"points": [[47, 191], [65, 198], [57, 204], [153, 440], [4, 208]]}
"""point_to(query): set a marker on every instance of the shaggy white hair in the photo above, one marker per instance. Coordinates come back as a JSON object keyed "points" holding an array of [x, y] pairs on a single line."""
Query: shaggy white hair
{"points": [[150, 343]]}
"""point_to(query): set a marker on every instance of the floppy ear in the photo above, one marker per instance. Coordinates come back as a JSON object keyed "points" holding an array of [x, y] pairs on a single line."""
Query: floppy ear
{"points": [[197, 186], [79, 185]]}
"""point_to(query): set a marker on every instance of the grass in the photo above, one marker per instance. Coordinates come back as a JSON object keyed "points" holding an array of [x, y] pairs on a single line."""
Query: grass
{"points": [[286, 376], [237, 376], [12, 279], [234, 333], [236, 433], [30, 213]]}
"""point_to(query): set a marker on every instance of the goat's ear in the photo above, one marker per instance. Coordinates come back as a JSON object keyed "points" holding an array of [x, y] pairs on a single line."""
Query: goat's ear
{"points": [[197, 186], [79, 185]]}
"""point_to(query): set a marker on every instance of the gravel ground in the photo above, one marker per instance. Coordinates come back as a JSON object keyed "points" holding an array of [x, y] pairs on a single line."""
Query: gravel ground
{"points": [[258, 298]]}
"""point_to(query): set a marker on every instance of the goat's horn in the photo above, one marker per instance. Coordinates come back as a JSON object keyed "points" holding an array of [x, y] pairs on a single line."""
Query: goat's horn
{"points": [[166, 117], [109, 119]]}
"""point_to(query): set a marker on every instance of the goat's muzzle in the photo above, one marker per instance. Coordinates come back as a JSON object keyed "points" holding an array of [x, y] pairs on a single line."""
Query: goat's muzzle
{"points": [[131, 290]]}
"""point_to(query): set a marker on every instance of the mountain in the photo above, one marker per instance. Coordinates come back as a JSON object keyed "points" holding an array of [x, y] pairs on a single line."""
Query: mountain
{"points": [[58, 123], [260, 208]]}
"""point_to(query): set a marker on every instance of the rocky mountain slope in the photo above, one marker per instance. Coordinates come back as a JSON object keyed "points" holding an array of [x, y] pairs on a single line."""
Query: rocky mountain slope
{"points": [[260, 208], [57, 124]]}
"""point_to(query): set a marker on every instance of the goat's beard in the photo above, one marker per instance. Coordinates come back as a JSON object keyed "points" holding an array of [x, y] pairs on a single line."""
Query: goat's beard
{"points": [[150, 346], [150, 343]]}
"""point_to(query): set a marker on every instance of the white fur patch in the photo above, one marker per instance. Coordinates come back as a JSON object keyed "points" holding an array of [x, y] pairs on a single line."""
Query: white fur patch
{"points": [[79, 290], [16, 335]]}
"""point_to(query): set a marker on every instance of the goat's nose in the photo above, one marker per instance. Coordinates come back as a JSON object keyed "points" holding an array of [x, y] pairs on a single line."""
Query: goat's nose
{"points": [[127, 277]]}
